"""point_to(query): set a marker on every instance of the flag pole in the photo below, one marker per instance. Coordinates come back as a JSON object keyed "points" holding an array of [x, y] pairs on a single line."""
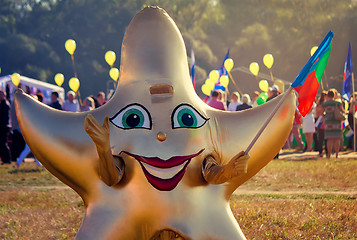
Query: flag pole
{"points": [[325, 80], [322, 85], [353, 112], [268, 120]]}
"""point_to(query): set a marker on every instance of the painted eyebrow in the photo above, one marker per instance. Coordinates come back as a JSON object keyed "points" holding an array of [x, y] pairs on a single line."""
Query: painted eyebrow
{"points": [[161, 89]]}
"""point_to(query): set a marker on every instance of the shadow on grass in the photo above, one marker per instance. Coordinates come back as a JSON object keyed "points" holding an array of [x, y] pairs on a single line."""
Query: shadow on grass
{"points": [[32, 170]]}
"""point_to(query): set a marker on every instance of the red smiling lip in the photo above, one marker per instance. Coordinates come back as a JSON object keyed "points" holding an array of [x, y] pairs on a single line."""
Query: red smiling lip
{"points": [[155, 162]]}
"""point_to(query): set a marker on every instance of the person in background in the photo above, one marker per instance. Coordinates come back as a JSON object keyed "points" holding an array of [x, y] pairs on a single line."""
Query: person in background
{"points": [[272, 92], [333, 131], [26, 151], [101, 98], [235, 101], [88, 104], [223, 98], [308, 128], [27, 90], [40, 96], [352, 105], [96, 103], [245, 103], [4, 128], [343, 102], [18, 142], [255, 96], [295, 131], [215, 101], [319, 117], [55, 102], [71, 104]]}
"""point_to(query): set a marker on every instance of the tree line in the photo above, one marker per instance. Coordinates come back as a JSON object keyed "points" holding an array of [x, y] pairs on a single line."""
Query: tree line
{"points": [[33, 33]]}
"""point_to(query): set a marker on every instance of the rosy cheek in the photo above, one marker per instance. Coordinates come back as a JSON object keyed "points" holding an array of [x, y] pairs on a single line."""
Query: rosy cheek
{"points": [[195, 139]]}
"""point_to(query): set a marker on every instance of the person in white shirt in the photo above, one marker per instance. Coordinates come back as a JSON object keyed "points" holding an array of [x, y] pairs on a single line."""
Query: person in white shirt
{"points": [[71, 104], [235, 101]]}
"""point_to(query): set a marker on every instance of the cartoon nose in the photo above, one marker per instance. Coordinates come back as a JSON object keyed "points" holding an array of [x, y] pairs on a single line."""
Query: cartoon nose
{"points": [[161, 136]]}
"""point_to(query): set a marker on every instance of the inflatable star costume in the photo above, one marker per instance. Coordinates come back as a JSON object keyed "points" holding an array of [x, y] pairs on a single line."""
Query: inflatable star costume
{"points": [[163, 164]]}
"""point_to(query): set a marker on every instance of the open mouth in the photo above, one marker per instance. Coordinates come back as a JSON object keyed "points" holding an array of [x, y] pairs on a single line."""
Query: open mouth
{"points": [[164, 175]]}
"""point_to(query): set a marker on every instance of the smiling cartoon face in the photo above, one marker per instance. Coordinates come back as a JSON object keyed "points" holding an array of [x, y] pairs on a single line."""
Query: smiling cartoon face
{"points": [[157, 134]]}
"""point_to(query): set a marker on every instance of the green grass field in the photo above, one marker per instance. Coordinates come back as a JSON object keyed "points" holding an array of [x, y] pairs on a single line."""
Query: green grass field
{"points": [[313, 199]]}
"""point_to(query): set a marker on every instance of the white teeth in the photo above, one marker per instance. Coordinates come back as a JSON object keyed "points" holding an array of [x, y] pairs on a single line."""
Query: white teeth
{"points": [[164, 173]]}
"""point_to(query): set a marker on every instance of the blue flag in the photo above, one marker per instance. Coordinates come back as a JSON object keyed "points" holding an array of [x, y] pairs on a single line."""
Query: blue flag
{"points": [[192, 68], [347, 75], [222, 70]]}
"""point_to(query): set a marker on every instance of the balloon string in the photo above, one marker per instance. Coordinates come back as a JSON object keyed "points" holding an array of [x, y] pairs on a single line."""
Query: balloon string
{"points": [[75, 75], [271, 75], [79, 97], [268, 120], [74, 66]]}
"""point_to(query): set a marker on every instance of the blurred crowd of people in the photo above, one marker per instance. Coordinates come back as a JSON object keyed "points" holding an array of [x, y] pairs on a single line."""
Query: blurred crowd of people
{"points": [[12, 145], [218, 99], [319, 127], [322, 126]]}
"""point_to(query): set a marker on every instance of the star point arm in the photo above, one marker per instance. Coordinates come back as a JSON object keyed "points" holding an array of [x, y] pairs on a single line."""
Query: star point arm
{"points": [[214, 173], [109, 172]]}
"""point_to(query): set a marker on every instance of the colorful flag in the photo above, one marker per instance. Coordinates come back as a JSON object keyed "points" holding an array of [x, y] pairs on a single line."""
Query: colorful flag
{"points": [[192, 68], [347, 75], [308, 81]]}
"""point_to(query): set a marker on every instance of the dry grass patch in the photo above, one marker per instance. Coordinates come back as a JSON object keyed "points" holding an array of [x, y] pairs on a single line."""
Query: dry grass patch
{"points": [[27, 175], [50, 214], [312, 175], [296, 217]]}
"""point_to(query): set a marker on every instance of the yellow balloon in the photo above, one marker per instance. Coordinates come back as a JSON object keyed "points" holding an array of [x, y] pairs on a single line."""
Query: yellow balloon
{"points": [[224, 80], [268, 60], [70, 46], [15, 78], [205, 89], [114, 73], [313, 50], [264, 85], [110, 57], [228, 64], [208, 81], [210, 85], [214, 75], [74, 84], [59, 78], [254, 68], [280, 84]]}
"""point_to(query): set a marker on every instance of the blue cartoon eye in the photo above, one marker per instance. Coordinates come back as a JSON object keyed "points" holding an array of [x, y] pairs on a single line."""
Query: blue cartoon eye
{"points": [[132, 116], [185, 116]]}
